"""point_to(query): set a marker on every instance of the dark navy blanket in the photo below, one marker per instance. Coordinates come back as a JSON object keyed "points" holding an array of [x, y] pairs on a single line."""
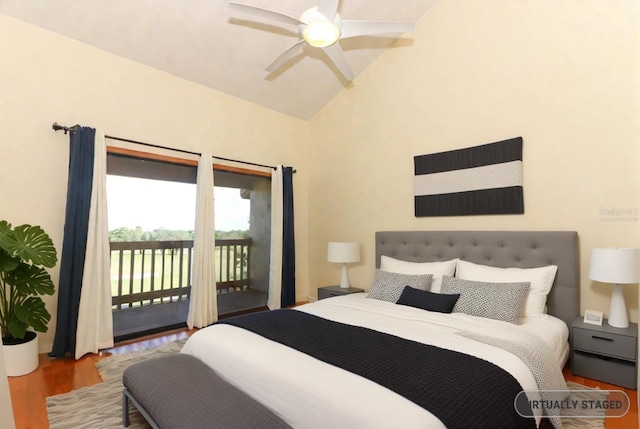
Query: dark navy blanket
{"points": [[462, 391]]}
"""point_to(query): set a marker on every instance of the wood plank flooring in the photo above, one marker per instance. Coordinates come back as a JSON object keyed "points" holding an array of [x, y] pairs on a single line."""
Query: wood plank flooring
{"points": [[55, 376], [630, 420]]}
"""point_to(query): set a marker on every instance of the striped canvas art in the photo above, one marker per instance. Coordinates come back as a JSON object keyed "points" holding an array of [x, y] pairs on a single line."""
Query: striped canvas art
{"points": [[478, 180]]}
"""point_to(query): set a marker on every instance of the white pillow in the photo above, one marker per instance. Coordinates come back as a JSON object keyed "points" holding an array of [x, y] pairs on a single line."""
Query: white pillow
{"points": [[438, 269], [541, 280]]}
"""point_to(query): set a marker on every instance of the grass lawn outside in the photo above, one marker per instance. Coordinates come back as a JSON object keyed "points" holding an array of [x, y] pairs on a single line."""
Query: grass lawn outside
{"points": [[176, 273]]}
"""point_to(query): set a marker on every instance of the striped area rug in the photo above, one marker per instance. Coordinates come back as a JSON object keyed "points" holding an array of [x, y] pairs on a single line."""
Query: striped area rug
{"points": [[100, 406], [580, 392]]}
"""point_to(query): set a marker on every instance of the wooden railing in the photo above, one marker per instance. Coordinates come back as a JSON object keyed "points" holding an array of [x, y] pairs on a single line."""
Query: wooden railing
{"points": [[232, 265], [157, 272]]}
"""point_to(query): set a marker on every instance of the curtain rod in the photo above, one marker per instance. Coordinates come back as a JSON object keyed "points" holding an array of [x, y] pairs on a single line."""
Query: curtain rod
{"points": [[73, 129]]}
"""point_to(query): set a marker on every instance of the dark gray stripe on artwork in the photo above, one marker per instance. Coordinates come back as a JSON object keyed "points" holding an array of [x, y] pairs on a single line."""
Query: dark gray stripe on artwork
{"points": [[487, 201], [477, 156]]}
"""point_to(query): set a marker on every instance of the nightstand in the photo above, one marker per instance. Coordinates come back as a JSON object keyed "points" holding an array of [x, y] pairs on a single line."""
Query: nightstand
{"points": [[329, 291], [605, 353]]}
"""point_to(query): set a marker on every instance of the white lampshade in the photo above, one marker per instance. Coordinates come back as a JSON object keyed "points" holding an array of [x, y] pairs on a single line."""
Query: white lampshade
{"points": [[343, 252], [617, 266]]}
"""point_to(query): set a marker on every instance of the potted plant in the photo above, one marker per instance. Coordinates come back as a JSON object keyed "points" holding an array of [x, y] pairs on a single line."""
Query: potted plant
{"points": [[25, 252]]}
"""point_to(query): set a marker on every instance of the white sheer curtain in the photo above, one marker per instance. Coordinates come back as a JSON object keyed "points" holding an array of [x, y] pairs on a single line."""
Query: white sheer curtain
{"points": [[275, 268], [95, 320], [203, 305]]}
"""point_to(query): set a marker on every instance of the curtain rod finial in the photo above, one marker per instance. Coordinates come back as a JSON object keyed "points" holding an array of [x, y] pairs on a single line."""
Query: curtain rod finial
{"points": [[57, 127]]}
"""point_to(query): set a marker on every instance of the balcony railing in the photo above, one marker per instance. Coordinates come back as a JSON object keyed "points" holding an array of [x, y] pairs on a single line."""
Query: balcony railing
{"points": [[157, 272]]}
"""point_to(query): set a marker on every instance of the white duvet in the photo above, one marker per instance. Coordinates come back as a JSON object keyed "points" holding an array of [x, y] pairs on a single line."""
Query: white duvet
{"points": [[308, 393]]}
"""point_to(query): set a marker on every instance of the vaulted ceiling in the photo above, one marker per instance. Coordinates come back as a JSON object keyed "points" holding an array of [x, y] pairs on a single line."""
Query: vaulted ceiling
{"points": [[199, 41]]}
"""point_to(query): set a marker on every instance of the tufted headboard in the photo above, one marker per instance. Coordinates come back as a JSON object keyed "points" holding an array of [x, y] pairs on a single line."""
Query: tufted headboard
{"points": [[523, 249]]}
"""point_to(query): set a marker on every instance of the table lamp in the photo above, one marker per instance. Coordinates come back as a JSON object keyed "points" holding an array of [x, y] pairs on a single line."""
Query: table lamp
{"points": [[343, 253], [618, 266]]}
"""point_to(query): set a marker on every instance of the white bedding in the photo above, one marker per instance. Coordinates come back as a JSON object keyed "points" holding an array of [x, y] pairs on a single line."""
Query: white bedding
{"points": [[308, 393], [553, 331]]}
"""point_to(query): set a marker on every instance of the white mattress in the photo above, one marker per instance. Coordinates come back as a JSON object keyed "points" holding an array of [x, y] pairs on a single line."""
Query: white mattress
{"points": [[308, 393]]}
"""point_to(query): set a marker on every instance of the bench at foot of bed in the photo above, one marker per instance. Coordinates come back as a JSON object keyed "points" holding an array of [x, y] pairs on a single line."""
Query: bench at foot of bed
{"points": [[180, 391]]}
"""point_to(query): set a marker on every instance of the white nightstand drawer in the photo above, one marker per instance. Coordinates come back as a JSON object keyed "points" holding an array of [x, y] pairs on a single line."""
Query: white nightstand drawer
{"points": [[606, 343]]}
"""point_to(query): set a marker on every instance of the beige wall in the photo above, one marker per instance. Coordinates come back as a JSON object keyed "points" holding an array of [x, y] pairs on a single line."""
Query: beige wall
{"points": [[561, 74], [45, 78]]}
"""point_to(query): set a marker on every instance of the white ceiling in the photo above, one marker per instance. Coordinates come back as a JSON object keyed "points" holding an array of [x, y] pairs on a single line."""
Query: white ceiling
{"points": [[197, 40]]}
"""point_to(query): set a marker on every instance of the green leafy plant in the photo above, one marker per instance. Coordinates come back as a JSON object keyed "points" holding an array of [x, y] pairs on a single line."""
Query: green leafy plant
{"points": [[25, 252]]}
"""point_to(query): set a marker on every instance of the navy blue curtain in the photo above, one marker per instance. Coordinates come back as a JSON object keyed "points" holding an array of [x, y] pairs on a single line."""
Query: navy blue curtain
{"points": [[288, 292], [76, 224]]}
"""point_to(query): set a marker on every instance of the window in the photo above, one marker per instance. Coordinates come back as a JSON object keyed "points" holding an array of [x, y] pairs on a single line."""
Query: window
{"points": [[151, 207]]}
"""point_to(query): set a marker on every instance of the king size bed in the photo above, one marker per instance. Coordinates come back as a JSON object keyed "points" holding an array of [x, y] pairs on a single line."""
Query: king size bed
{"points": [[455, 326]]}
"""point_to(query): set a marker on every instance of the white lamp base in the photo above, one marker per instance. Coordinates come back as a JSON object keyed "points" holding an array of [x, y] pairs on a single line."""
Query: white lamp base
{"points": [[618, 310], [344, 281]]}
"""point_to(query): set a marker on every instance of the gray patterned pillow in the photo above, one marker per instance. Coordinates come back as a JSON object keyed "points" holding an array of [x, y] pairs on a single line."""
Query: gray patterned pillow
{"points": [[500, 301], [388, 286]]}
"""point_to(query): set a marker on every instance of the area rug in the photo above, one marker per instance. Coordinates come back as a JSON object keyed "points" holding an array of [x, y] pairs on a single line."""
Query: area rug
{"points": [[100, 406], [580, 392]]}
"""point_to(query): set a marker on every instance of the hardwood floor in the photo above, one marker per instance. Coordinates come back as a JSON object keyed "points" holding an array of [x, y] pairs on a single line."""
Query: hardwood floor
{"points": [[630, 420], [55, 376]]}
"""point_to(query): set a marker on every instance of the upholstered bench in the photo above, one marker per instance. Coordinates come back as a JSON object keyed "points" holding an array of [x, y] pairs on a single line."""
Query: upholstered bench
{"points": [[180, 391]]}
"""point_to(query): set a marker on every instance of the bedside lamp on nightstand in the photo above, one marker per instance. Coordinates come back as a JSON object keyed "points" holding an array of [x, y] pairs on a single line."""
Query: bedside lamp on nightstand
{"points": [[343, 253], [619, 266]]}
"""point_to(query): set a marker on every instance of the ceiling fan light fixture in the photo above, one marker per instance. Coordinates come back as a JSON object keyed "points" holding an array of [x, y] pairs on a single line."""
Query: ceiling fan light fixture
{"points": [[318, 31], [321, 27], [321, 34]]}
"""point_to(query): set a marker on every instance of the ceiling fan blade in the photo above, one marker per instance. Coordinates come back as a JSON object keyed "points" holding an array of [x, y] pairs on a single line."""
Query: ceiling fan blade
{"points": [[328, 8], [291, 52], [336, 55], [263, 13], [372, 28]]}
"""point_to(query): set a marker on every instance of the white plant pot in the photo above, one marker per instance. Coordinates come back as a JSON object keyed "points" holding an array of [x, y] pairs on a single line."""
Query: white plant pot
{"points": [[21, 359]]}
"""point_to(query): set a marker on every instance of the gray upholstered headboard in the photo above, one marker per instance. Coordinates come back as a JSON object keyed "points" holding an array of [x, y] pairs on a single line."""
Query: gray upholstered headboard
{"points": [[524, 249]]}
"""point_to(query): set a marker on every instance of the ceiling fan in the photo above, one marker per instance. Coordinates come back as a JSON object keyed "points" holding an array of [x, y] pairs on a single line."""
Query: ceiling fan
{"points": [[321, 27]]}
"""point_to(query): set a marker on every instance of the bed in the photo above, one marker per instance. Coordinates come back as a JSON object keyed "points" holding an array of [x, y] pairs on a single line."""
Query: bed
{"points": [[342, 387]]}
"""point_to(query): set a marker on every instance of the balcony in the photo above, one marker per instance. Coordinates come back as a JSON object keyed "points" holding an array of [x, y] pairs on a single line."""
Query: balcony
{"points": [[151, 283]]}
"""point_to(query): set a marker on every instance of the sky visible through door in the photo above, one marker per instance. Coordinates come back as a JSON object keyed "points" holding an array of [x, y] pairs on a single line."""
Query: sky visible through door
{"points": [[153, 204]]}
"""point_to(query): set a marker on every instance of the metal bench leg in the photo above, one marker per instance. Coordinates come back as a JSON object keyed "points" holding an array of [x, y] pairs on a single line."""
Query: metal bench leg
{"points": [[127, 397], [125, 409]]}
